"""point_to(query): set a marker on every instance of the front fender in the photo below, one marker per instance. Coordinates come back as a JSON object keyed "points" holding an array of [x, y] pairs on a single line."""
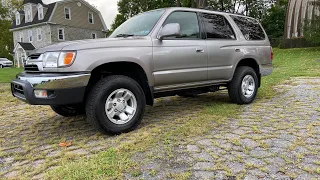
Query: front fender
{"points": [[141, 56]]}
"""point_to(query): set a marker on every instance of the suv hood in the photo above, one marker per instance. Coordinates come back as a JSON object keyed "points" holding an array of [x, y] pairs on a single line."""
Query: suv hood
{"points": [[98, 43]]}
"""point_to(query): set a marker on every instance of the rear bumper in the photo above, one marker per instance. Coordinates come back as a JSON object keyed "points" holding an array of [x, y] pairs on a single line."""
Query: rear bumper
{"points": [[265, 69], [63, 89]]}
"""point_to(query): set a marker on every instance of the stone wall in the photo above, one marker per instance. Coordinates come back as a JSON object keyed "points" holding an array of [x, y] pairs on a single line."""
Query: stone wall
{"points": [[46, 36], [72, 33]]}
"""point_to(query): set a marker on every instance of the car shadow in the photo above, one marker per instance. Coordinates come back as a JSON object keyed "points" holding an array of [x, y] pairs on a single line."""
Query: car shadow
{"points": [[167, 108]]}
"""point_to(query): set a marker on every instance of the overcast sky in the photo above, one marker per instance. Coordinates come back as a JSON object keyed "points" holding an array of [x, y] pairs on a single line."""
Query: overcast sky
{"points": [[108, 8]]}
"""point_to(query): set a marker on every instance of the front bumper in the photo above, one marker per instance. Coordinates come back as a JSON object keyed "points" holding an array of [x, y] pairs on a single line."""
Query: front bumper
{"points": [[62, 88]]}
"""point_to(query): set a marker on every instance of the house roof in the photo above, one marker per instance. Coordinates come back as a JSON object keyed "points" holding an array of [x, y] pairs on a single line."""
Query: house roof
{"points": [[35, 19], [32, 1], [49, 13], [27, 46]]}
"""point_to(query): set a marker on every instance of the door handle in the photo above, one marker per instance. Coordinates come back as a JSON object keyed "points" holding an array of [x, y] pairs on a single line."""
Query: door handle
{"points": [[237, 50], [199, 50]]}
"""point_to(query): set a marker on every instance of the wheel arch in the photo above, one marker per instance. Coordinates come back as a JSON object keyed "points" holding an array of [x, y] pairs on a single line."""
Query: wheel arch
{"points": [[127, 68], [250, 62]]}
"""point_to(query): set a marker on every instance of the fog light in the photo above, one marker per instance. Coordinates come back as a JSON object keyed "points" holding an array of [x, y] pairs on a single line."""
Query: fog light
{"points": [[41, 93]]}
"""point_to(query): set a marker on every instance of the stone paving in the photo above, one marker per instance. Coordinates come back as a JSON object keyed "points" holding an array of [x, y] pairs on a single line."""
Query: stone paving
{"points": [[277, 139], [272, 139], [30, 135]]}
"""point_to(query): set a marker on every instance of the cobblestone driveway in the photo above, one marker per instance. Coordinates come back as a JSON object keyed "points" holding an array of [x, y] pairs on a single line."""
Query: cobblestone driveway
{"points": [[273, 139], [278, 138]]}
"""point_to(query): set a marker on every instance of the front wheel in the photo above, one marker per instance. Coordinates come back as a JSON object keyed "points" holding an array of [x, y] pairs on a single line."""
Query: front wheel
{"points": [[244, 85], [115, 105]]}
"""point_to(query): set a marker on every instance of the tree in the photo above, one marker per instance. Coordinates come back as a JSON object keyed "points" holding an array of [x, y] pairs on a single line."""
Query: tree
{"points": [[253, 8], [274, 20], [5, 34], [312, 27], [6, 17]]}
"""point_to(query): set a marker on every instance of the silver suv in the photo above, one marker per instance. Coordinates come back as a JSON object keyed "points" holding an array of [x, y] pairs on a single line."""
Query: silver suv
{"points": [[165, 52]]}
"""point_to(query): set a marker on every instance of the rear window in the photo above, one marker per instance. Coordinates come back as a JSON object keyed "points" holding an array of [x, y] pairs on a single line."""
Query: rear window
{"points": [[217, 27], [250, 28]]}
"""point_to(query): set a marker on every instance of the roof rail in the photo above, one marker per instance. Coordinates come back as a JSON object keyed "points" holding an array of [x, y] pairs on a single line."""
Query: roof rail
{"points": [[211, 9]]}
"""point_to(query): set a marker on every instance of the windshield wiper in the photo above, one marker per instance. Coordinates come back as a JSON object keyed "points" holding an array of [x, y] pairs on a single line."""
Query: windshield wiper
{"points": [[124, 35]]}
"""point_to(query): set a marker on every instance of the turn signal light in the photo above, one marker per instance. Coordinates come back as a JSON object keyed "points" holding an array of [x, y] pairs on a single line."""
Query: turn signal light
{"points": [[68, 58]]}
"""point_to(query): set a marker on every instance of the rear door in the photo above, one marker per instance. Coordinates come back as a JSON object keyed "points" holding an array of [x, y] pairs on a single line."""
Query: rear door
{"points": [[257, 44], [222, 46], [180, 60]]}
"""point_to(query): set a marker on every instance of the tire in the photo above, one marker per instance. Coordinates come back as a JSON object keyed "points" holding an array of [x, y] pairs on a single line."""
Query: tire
{"points": [[106, 104], [242, 75], [69, 110]]}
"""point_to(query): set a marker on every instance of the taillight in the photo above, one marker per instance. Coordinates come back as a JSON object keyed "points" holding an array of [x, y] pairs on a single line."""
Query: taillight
{"points": [[271, 54]]}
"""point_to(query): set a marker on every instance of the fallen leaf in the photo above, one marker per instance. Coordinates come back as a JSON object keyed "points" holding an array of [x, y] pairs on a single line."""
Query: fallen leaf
{"points": [[65, 144]]}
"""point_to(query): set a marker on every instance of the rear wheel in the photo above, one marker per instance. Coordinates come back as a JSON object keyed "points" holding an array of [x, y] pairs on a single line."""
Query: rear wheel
{"points": [[69, 110], [115, 105], [244, 85]]}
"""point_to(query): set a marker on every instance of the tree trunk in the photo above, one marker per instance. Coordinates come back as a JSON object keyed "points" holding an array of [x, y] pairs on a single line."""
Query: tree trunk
{"points": [[222, 5], [203, 3], [194, 5], [178, 3]]}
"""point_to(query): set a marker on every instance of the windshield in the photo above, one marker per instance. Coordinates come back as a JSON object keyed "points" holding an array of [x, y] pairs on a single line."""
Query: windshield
{"points": [[140, 25]]}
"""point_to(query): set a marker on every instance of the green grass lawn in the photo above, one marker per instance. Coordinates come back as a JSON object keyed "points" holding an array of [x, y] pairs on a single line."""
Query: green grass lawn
{"points": [[7, 74], [113, 162]]}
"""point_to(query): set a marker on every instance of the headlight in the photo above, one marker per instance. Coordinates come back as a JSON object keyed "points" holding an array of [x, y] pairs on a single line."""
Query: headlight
{"points": [[58, 59]]}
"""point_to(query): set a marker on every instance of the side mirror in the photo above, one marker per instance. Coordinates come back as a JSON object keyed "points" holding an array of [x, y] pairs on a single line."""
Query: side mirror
{"points": [[170, 30]]}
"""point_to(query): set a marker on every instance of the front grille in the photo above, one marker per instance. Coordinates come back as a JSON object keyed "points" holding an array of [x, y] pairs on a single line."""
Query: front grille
{"points": [[34, 56], [18, 91], [31, 68]]}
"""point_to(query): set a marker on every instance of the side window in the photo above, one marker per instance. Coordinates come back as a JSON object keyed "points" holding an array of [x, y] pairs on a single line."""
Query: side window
{"points": [[250, 28], [188, 23], [217, 27]]}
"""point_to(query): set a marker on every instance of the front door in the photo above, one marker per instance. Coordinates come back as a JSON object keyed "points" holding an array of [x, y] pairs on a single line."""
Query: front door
{"points": [[182, 60]]}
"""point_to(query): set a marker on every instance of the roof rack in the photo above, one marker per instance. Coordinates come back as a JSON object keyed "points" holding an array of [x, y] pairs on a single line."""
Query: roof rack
{"points": [[210, 9]]}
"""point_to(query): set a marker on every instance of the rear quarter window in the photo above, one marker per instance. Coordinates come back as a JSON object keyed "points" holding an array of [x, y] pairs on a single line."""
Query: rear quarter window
{"points": [[249, 27]]}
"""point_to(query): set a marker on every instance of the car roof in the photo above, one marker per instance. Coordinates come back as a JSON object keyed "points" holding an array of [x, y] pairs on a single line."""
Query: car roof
{"points": [[205, 11]]}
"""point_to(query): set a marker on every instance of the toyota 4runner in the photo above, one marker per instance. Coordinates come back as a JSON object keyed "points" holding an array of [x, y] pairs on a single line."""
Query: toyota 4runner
{"points": [[165, 52]]}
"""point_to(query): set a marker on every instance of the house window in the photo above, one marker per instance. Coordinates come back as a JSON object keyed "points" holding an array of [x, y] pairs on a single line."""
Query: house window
{"points": [[40, 12], [30, 36], [21, 37], [91, 20], [39, 34], [28, 11], [67, 13], [94, 36], [61, 34], [18, 19]]}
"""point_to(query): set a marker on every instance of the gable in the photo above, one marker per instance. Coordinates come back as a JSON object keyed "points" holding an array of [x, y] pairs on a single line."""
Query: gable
{"points": [[79, 15]]}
